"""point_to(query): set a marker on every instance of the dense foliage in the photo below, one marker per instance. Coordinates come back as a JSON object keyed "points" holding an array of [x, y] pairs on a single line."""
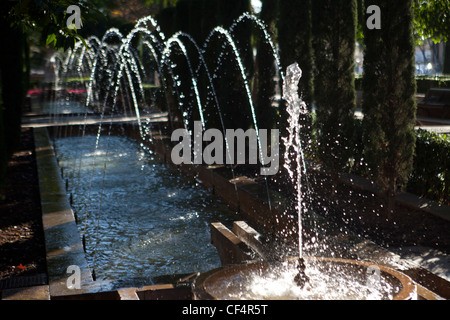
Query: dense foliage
{"points": [[334, 40], [430, 175], [389, 89], [430, 172], [295, 41]]}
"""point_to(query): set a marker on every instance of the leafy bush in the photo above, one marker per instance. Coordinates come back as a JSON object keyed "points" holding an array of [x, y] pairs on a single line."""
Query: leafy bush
{"points": [[424, 83], [431, 172], [430, 175]]}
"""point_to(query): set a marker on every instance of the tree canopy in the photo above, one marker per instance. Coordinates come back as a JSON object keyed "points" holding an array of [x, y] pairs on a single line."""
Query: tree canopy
{"points": [[49, 17], [432, 19]]}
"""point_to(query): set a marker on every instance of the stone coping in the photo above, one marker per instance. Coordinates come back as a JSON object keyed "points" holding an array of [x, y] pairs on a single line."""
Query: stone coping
{"points": [[62, 241]]}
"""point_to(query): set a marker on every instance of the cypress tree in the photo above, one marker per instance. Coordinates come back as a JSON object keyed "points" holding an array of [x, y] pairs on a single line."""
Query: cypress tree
{"points": [[266, 69], [295, 42], [389, 105], [209, 20], [182, 17], [334, 39], [209, 17], [13, 79], [3, 152], [233, 99], [230, 10], [13, 86], [166, 18], [446, 67], [195, 20]]}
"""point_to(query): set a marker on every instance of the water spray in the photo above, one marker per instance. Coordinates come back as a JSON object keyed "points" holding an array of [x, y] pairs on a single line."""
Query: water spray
{"points": [[295, 108]]}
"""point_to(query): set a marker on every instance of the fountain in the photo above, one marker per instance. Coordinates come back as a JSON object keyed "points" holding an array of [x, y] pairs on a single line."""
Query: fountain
{"points": [[303, 278], [295, 108], [328, 279], [119, 80]]}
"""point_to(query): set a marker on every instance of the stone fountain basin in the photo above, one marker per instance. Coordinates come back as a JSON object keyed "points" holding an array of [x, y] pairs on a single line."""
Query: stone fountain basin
{"points": [[230, 283]]}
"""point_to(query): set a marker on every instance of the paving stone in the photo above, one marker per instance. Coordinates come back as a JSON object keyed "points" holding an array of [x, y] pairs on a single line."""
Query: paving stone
{"points": [[29, 293]]}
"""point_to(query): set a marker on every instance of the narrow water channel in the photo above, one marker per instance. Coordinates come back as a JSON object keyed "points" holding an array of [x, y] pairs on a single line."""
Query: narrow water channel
{"points": [[140, 218]]}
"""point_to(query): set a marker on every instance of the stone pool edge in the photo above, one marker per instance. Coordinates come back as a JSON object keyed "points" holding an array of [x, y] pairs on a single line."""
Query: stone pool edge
{"points": [[63, 244], [64, 247]]}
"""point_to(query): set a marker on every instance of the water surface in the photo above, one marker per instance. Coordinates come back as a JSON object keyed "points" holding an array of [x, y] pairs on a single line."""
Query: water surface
{"points": [[140, 217]]}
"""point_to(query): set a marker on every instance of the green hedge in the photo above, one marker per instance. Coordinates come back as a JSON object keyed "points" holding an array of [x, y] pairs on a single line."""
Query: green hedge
{"points": [[431, 173], [423, 83]]}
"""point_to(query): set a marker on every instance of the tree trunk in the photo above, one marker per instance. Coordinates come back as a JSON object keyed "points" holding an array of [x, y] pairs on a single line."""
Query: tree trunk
{"points": [[446, 68]]}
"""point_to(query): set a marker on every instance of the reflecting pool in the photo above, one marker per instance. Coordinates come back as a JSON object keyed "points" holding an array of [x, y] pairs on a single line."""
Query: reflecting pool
{"points": [[140, 218]]}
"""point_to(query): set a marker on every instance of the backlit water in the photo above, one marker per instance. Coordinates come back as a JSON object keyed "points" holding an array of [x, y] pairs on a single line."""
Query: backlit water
{"points": [[140, 217]]}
